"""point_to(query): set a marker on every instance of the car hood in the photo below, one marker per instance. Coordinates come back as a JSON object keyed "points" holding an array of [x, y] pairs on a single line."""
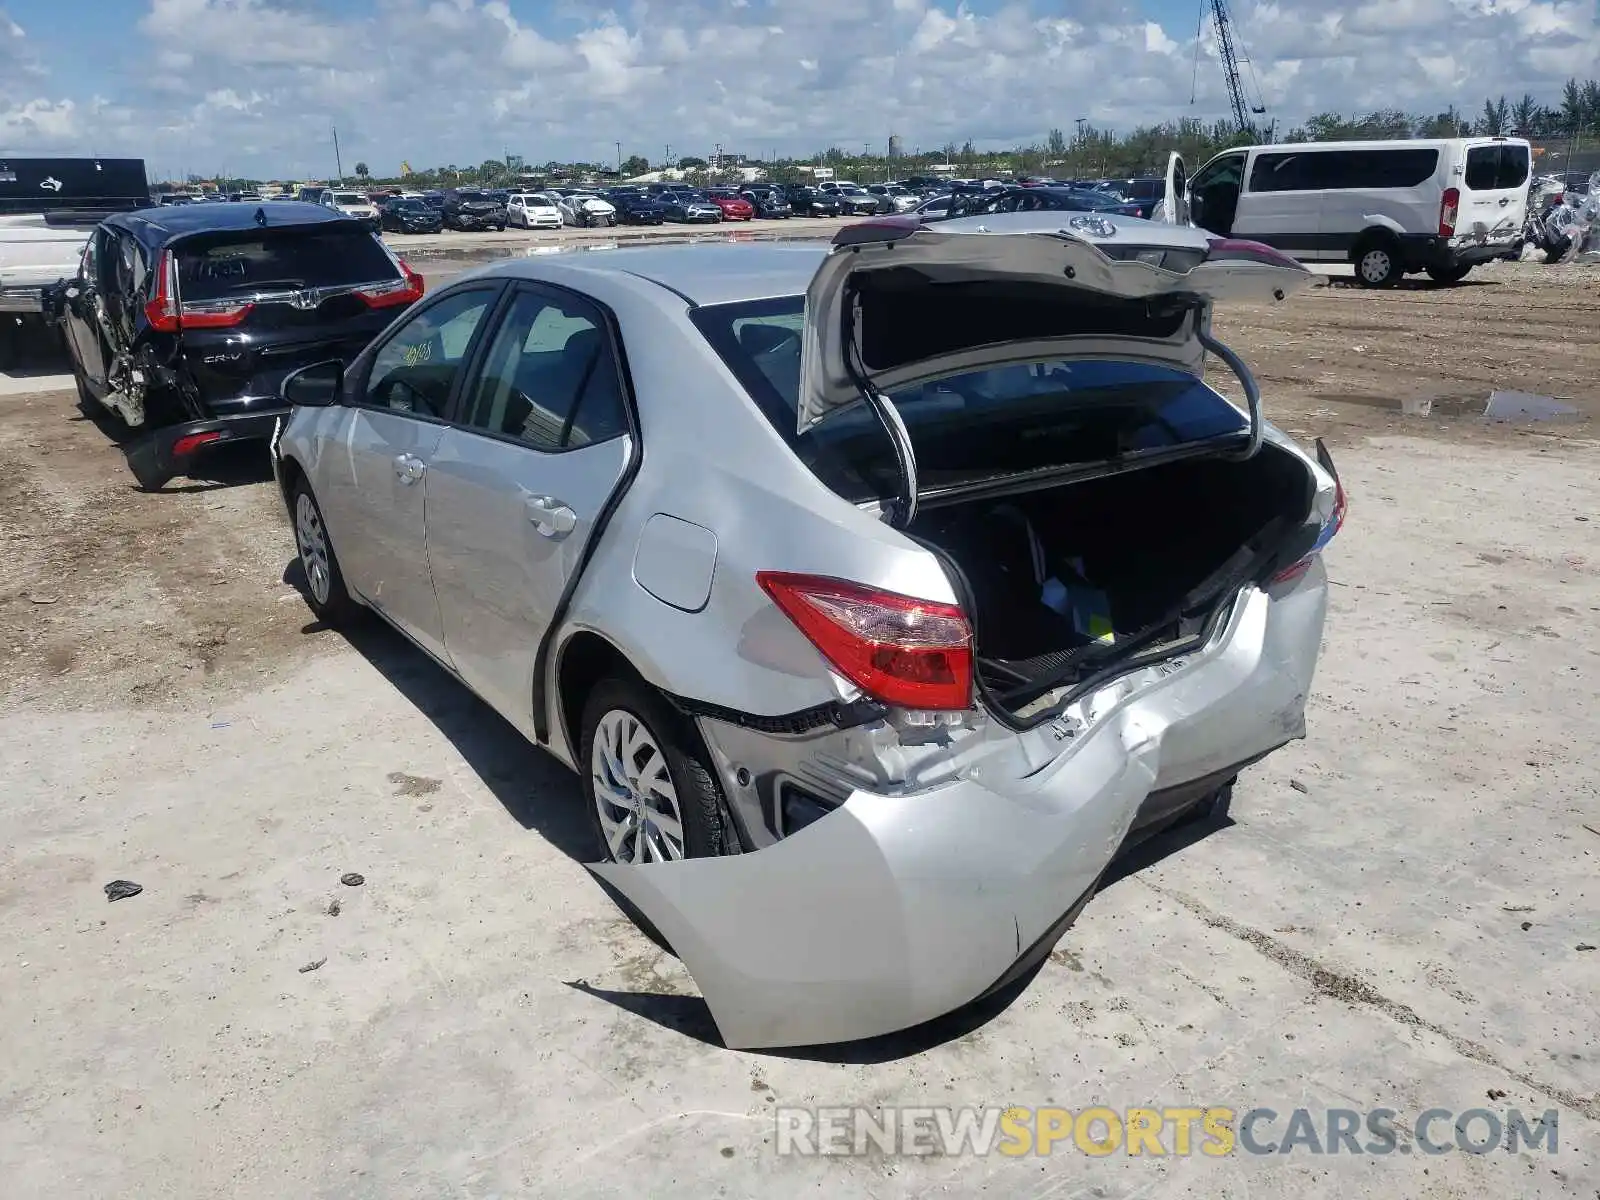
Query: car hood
{"points": [[852, 331], [591, 204]]}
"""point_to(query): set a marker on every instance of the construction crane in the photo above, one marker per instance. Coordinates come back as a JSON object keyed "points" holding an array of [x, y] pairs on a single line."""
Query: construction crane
{"points": [[1243, 112]]}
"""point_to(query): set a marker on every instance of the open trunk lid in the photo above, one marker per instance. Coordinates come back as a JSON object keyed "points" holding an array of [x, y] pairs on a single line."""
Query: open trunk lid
{"points": [[898, 302]]}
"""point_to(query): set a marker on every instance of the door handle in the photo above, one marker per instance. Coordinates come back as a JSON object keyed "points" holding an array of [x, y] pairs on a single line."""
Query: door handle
{"points": [[408, 468], [1505, 200], [551, 517]]}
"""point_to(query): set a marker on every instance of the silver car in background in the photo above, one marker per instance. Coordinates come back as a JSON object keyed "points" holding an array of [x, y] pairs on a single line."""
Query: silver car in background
{"points": [[876, 592]]}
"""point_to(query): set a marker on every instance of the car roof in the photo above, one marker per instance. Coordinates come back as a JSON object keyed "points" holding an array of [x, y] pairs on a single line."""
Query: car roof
{"points": [[159, 225], [701, 273]]}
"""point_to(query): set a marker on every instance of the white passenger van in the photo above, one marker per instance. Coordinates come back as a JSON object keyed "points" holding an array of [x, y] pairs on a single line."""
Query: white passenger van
{"points": [[1389, 208]]}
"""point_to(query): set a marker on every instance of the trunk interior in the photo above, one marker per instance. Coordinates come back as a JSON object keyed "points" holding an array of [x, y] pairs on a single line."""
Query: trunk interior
{"points": [[1064, 581]]}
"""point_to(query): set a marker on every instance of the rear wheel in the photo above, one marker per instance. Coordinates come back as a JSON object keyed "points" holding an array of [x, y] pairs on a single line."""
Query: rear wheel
{"points": [[1377, 262], [1454, 274], [650, 793], [325, 589]]}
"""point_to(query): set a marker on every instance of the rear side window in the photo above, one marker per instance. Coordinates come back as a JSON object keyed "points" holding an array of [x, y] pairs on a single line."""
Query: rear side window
{"points": [[1498, 167], [1335, 170], [288, 260], [549, 379]]}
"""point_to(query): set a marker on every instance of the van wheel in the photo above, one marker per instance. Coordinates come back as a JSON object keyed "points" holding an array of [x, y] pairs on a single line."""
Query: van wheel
{"points": [[1453, 274], [1377, 262]]}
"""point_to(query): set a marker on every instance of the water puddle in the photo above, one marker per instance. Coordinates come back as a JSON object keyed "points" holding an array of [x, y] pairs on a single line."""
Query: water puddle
{"points": [[1525, 406]]}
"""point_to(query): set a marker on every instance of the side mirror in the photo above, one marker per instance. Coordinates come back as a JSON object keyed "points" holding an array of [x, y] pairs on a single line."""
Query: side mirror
{"points": [[316, 386]]}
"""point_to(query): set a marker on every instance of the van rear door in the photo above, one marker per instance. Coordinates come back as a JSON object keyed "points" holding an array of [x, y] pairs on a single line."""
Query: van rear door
{"points": [[1494, 188]]}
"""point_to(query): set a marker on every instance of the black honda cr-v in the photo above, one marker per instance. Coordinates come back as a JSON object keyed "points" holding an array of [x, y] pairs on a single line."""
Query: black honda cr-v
{"points": [[184, 320]]}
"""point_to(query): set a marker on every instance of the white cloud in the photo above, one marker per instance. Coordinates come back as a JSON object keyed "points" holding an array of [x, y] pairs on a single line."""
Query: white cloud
{"points": [[257, 83]]}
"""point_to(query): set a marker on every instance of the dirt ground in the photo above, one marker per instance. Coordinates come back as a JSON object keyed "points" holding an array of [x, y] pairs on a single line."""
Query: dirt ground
{"points": [[1401, 913]]}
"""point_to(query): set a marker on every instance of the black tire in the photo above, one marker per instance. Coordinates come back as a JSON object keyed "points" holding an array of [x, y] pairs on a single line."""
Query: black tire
{"points": [[1453, 274], [10, 342], [326, 593], [699, 800], [1556, 252], [1377, 262]]}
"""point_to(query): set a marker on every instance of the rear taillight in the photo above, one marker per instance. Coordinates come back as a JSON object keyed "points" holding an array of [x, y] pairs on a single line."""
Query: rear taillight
{"points": [[166, 314], [1449, 206], [404, 290], [1331, 526], [905, 652], [1242, 250], [162, 310]]}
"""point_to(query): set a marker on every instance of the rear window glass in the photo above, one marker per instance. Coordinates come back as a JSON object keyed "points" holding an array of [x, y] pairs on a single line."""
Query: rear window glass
{"points": [[971, 426], [1494, 168], [286, 261]]}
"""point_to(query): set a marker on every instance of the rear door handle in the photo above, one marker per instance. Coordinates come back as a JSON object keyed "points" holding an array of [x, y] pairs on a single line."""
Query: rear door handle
{"points": [[1505, 201], [551, 517], [408, 468]]}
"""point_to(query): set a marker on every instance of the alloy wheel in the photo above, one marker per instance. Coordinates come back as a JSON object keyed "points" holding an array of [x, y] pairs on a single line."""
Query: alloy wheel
{"points": [[312, 540], [633, 792]]}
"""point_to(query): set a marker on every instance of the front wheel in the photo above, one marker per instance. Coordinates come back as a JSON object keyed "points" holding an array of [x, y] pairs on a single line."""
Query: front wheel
{"points": [[649, 791], [326, 593], [1451, 274]]}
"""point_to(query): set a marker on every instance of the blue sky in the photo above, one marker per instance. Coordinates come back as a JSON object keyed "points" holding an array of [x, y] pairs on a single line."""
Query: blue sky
{"points": [[253, 85]]}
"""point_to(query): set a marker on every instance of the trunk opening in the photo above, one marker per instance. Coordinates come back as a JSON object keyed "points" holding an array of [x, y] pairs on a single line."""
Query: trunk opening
{"points": [[1064, 582]]}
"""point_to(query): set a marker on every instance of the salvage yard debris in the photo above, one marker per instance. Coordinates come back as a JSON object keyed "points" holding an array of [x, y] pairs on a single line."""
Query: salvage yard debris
{"points": [[122, 889]]}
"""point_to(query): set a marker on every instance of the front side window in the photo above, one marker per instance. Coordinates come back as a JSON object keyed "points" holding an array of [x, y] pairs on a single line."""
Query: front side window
{"points": [[416, 369], [549, 379]]}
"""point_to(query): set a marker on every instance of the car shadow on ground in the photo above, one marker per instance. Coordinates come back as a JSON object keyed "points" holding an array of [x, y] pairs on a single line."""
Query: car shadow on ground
{"points": [[538, 792], [543, 796]]}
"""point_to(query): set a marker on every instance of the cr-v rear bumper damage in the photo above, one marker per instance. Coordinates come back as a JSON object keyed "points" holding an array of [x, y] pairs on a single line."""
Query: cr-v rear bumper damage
{"points": [[893, 909]]}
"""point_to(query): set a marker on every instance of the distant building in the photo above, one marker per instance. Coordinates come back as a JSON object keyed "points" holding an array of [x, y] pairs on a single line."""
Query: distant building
{"points": [[897, 147]]}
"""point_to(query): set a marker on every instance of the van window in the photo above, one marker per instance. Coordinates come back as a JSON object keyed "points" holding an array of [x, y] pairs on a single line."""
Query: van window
{"points": [[1334, 170], [1492, 168]]}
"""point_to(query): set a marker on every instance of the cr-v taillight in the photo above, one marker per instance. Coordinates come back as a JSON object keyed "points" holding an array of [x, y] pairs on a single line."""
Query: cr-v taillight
{"points": [[906, 652], [1449, 207], [166, 314], [405, 290]]}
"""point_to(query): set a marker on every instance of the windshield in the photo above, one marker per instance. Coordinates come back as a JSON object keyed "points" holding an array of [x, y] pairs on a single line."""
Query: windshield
{"points": [[408, 206], [971, 426], [216, 267], [348, 198]]}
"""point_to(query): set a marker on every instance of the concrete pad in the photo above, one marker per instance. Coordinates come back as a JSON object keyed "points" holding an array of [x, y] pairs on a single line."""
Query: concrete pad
{"points": [[26, 382]]}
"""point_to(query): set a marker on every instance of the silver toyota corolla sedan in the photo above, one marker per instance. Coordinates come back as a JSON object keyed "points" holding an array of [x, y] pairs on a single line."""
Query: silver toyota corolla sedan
{"points": [[876, 591]]}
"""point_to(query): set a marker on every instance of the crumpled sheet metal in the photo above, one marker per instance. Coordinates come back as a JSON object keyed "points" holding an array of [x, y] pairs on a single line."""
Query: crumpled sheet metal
{"points": [[893, 910], [1578, 218]]}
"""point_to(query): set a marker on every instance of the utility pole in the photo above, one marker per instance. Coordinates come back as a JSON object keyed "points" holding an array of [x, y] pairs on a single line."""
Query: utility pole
{"points": [[337, 165], [619, 159]]}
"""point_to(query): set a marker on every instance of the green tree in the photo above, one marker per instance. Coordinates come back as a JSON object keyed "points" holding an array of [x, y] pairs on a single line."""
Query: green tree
{"points": [[1523, 113], [1496, 117], [690, 163], [636, 164], [1056, 144], [361, 170]]}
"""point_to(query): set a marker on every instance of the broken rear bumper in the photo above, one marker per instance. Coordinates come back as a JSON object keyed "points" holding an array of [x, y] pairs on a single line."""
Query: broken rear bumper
{"points": [[894, 909], [172, 450]]}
